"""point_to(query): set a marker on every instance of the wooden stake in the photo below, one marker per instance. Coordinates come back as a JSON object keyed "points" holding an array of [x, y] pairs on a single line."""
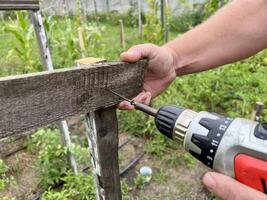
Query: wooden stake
{"points": [[162, 15], [65, 137], [107, 6], [140, 28], [103, 134], [81, 41], [122, 35]]}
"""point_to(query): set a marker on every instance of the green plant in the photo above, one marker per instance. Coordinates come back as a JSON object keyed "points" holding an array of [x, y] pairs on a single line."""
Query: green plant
{"points": [[51, 195], [51, 163], [81, 154], [65, 44], [77, 186], [138, 125], [52, 167], [211, 6], [8, 198], [5, 180], [80, 186], [173, 159], [157, 145], [160, 176], [190, 16], [94, 38], [22, 31], [153, 31], [190, 161], [130, 17], [125, 189], [140, 181]]}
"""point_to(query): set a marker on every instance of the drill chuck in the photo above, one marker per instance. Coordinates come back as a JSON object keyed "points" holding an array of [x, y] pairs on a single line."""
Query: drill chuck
{"points": [[173, 121]]}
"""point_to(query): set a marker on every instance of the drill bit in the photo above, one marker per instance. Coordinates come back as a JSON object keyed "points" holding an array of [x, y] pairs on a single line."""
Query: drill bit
{"points": [[139, 106], [122, 97]]}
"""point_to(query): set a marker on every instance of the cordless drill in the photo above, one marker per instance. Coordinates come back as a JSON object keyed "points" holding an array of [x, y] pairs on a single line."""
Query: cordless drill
{"points": [[234, 147]]}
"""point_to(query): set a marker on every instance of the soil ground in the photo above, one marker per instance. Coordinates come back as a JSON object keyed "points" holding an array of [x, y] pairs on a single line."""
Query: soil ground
{"points": [[168, 182]]}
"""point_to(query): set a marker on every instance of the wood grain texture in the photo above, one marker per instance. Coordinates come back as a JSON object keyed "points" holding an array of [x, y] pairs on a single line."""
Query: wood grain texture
{"points": [[19, 5], [33, 100], [107, 144]]}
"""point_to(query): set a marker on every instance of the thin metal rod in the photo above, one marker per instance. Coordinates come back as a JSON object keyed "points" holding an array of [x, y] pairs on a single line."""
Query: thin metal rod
{"points": [[122, 97], [139, 106], [139, 17], [131, 164]]}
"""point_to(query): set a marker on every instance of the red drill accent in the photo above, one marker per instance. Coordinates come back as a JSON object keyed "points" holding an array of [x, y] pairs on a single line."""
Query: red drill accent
{"points": [[251, 171]]}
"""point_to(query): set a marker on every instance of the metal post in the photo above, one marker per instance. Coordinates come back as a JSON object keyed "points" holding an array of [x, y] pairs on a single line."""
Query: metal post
{"points": [[47, 64], [107, 5], [140, 17], [162, 14]]}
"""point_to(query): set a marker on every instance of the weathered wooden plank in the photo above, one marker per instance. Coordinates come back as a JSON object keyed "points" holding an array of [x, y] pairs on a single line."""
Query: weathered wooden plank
{"points": [[106, 127], [19, 5], [33, 100]]}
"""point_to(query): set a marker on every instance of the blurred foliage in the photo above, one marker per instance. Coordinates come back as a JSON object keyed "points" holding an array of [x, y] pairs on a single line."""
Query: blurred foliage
{"points": [[153, 32], [23, 34], [51, 164], [5, 180], [77, 186], [211, 6], [191, 16], [125, 189], [141, 181], [64, 42]]}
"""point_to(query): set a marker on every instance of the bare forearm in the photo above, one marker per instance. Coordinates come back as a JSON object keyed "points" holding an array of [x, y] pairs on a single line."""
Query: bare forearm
{"points": [[237, 31]]}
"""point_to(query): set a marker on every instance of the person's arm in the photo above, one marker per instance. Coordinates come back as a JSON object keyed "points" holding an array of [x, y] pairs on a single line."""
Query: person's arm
{"points": [[237, 31]]}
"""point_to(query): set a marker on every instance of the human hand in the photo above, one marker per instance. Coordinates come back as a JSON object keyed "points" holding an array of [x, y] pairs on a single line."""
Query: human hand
{"points": [[160, 73], [227, 188]]}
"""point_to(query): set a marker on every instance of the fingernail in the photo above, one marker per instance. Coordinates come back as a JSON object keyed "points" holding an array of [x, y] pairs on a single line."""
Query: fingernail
{"points": [[209, 181]]}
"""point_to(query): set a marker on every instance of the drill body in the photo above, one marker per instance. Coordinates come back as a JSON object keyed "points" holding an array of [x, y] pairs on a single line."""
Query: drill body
{"points": [[234, 147]]}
